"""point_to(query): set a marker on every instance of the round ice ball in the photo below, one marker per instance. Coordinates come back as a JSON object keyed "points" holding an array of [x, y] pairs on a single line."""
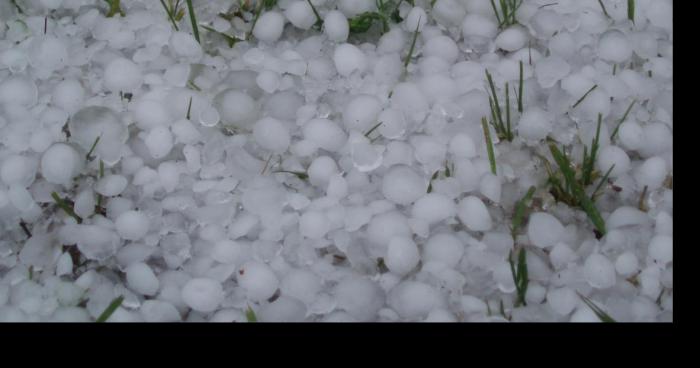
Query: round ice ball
{"points": [[258, 280], [122, 75], [141, 279], [614, 46], [403, 185], [17, 90], [18, 170], [203, 294], [534, 124], [661, 249], [269, 26], [613, 155], [473, 213], [272, 134], [236, 108], [402, 255], [68, 94], [360, 297], [361, 112], [348, 59], [336, 26], [445, 248], [544, 230], [300, 14], [325, 133], [132, 225], [599, 272], [61, 163]]}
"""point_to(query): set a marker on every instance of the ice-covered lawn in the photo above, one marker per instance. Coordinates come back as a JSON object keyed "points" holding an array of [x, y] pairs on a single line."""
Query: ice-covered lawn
{"points": [[336, 160]]}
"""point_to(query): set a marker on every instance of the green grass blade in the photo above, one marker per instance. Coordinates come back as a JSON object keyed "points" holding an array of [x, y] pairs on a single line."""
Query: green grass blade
{"points": [[622, 120], [630, 10], [496, 104], [604, 317], [61, 203], [584, 96], [589, 160], [489, 145], [193, 19], [189, 108], [520, 89], [601, 182], [413, 46], [603, 7], [89, 156], [250, 315], [170, 15], [520, 208], [373, 129], [299, 174], [229, 39], [110, 309], [509, 133], [495, 11], [319, 20]]}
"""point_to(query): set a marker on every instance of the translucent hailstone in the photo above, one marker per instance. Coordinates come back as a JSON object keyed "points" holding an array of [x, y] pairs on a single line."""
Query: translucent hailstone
{"points": [[462, 145], [403, 185], [141, 279], [95, 242], [132, 225], [272, 134], [61, 163], [413, 300], [490, 187], [236, 108], [268, 81], [325, 133], [122, 75], [348, 59], [301, 284], [478, 25], [359, 297], [651, 173], [283, 309], [631, 135], [626, 216], [661, 249], [473, 213], [258, 280], [393, 123], [402, 255], [47, 54], [443, 47], [300, 14], [660, 14], [18, 170], [562, 300], [599, 272], [150, 113], [314, 225], [512, 39], [111, 185], [550, 70], [384, 226], [352, 8], [96, 121], [37, 251], [202, 294], [434, 208], [365, 156], [445, 248], [320, 171], [626, 264], [415, 19], [544, 230], [184, 45], [18, 90], [159, 142], [68, 94], [408, 98], [336, 26], [361, 112], [448, 12], [269, 26], [658, 139], [613, 155], [535, 124], [284, 105], [392, 41], [159, 311]]}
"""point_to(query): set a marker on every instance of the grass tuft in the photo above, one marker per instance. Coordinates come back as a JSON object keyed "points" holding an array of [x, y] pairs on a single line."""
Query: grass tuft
{"points": [[519, 216], [114, 8], [489, 145], [503, 128], [62, 204], [250, 315], [520, 276], [173, 12], [111, 308], [508, 8]]}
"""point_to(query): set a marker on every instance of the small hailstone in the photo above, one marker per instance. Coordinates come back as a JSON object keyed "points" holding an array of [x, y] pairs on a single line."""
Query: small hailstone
{"points": [[141, 279], [269, 26], [403, 185], [348, 59], [301, 284], [132, 225], [325, 133], [283, 309], [434, 208], [268, 81], [159, 142], [228, 251], [320, 171], [183, 44], [300, 14], [512, 39], [613, 155], [626, 264], [413, 300], [272, 134], [544, 230], [462, 145], [440, 315], [651, 173], [534, 124], [18, 170], [490, 187], [562, 300], [122, 75], [415, 19], [473, 213], [626, 216], [584, 315], [361, 112], [445, 248], [68, 94], [614, 46], [258, 280], [159, 311], [599, 272], [169, 175], [402, 255], [360, 297], [661, 249], [478, 25], [448, 12], [550, 70], [37, 251], [237, 108], [203, 294], [149, 114], [336, 26], [64, 265], [18, 90], [352, 8], [61, 163], [111, 185], [443, 47], [535, 293], [313, 225], [658, 139]]}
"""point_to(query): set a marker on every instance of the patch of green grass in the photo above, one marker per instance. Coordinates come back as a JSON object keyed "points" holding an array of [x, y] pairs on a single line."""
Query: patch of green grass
{"points": [[231, 40], [114, 8], [503, 128], [62, 204], [508, 9], [193, 20], [584, 96], [630, 10], [520, 276], [386, 10], [520, 208], [489, 145], [173, 11], [250, 315], [604, 317], [110, 309]]}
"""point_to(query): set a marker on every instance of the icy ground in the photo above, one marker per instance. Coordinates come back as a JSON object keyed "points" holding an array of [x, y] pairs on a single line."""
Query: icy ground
{"points": [[305, 175]]}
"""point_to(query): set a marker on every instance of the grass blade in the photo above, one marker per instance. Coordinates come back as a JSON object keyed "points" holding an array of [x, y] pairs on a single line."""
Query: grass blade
{"points": [[601, 182], [509, 133], [520, 89], [520, 208], [229, 39], [61, 203], [520, 276], [630, 10], [584, 96], [319, 20], [373, 129], [250, 315], [604, 10], [413, 45], [622, 120], [489, 145], [170, 15], [189, 108], [110, 309], [604, 317], [193, 19], [496, 104], [495, 11], [89, 156], [589, 160]]}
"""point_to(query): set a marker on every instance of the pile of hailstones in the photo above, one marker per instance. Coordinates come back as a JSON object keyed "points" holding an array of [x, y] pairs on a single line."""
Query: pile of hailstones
{"points": [[255, 179]]}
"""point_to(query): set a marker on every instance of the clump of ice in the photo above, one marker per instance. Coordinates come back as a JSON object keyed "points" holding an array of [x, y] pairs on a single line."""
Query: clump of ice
{"points": [[61, 163], [122, 75], [336, 26], [473, 213], [203, 294], [258, 280], [599, 271], [403, 185], [348, 59], [132, 225], [544, 230], [359, 297]]}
